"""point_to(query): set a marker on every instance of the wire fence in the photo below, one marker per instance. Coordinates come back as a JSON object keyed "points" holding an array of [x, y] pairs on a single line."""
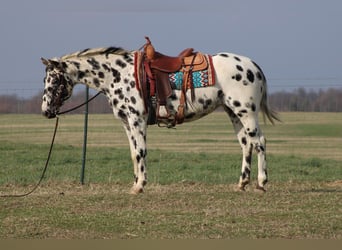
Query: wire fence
{"points": [[321, 95]]}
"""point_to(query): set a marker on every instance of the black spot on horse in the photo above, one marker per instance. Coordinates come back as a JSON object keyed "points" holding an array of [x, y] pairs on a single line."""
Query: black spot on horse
{"points": [[253, 107], [245, 173], [120, 63], [118, 91], [250, 76], [248, 159], [101, 74], [142, 153], [80, 74], [133, 110], [223, 55], [237, 77], [244, 140], [207, 103], [252, 134], [128, 58], [236, 103], [237, 58], [95, 64], [96, 82], [106, 67], [115, 102], [122, 115], [116, 75], [105, 90], [259, 76], [239, 68], [132, 83], [133, 100]]}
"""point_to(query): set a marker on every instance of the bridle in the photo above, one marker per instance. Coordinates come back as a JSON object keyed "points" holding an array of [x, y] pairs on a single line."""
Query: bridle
{"points": [[60, 93]]}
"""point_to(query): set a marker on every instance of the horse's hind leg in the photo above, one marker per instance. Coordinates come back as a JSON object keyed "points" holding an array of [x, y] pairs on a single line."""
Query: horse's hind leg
{"points": [[258, 142], [246, 148], [262, 169], [250, 137]]}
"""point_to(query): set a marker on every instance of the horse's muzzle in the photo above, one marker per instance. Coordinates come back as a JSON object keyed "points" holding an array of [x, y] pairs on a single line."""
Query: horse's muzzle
{"points": [[49, 115]]}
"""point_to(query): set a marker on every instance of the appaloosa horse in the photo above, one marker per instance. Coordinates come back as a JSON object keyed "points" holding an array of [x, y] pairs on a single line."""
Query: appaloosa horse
{"points": [[240, 87]]}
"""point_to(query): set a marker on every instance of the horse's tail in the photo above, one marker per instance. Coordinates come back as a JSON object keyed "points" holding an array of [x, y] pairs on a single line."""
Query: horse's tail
{"points": [[267, 111], [264, 105]]}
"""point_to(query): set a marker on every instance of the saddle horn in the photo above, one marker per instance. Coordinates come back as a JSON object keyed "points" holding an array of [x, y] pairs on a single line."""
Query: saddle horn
{"points": [[149, 49]]}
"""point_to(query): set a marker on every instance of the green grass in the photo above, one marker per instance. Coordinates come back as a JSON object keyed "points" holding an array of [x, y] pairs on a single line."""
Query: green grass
{"points": [[191, 191]]}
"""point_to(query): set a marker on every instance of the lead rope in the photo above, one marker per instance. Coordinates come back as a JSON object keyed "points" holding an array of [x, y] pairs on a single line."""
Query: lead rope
{"points": [[44, 171], [50, 151]]}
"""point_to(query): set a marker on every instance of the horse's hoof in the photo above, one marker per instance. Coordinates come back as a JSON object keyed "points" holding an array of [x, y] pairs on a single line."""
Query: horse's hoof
{"points": [[136, 190], [259, 188], [240, 189]]}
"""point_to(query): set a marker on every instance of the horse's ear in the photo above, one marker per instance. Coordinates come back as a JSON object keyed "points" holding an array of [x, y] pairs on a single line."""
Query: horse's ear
{"points": [[50, 62], [44, 61]]}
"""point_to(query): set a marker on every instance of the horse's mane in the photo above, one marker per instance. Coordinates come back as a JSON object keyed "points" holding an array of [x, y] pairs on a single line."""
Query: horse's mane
{"points": [[96, 51]]}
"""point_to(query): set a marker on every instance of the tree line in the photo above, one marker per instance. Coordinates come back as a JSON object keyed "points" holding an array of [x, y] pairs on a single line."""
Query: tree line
{"points": [[299, 100]]}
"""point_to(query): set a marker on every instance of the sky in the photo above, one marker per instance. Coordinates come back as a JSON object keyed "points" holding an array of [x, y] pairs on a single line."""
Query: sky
{"points": [[297, 43]]}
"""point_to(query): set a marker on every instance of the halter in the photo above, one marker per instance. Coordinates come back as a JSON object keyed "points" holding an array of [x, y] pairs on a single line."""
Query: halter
{"points": [[60, 93]]}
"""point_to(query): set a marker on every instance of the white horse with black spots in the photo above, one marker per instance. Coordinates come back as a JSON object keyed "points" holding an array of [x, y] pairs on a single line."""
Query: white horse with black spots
{"points": [[240, 88]]}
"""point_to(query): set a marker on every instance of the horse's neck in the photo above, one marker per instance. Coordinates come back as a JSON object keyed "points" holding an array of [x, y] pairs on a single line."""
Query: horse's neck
{"points": [[99, 71]]}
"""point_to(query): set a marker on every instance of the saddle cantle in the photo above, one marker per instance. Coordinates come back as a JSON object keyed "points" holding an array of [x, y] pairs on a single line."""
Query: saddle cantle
{"points": [[185, 59], [153, 69]]}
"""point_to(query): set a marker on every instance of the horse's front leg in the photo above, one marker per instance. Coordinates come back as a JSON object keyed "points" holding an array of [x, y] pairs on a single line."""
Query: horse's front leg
{"points": [[136, 134]]}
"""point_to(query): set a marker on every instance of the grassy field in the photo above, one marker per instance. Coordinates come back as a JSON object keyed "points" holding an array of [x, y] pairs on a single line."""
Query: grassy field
{"points": [[192, 171]]}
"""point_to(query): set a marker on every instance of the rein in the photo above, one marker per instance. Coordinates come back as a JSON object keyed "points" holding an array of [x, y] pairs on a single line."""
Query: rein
{"points": [[50, 150]]}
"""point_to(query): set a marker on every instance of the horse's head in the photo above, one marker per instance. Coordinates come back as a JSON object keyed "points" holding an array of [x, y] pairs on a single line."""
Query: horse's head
{"points": [[58, 87]]}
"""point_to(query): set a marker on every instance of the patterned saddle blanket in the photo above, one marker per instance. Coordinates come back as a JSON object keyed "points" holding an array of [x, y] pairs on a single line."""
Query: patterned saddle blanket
{"points": [[200, 79]]}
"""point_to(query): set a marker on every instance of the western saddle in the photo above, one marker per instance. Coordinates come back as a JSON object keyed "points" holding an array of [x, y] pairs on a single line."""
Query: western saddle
{"points": [[157, 68]]}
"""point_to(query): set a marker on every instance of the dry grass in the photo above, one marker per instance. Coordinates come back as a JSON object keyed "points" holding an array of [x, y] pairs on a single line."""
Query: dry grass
{"points": [[176, 211]]}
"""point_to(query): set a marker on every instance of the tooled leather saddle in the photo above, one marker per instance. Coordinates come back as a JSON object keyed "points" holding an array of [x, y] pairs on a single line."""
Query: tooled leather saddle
{"points": [[153, 69]]}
